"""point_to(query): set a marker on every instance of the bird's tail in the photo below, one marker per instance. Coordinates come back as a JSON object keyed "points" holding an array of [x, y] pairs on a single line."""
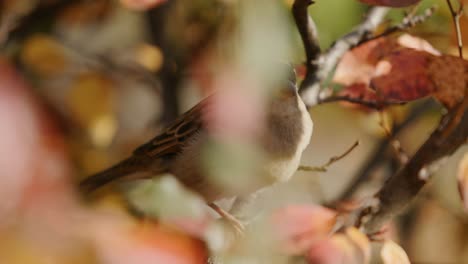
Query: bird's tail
{"points": [[116, 172]]}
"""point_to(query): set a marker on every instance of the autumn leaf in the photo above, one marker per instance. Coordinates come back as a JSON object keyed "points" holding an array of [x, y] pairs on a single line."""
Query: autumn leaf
{"points": [[386, 71], [44, 55], [402, 76], [392, 253], [450, 78], [300, 227], [145, 243], [91, 104], [352, 247], [463, 180], [415, 74], [33, 158], [391, 3]]}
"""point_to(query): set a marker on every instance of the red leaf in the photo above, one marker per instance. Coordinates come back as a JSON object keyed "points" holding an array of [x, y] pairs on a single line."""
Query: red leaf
{"points": [[416, 74], [391, 3], [407, 78], [400, 74], [361, 91]]}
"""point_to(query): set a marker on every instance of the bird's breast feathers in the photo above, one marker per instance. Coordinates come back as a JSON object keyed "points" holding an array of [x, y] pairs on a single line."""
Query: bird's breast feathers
{"points": [[282, 170]]}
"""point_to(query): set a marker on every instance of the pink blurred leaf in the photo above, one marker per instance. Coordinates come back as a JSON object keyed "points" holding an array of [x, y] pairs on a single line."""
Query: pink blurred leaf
{"points": [[147, 243], [391, 3], [33, 158], [300, 227], [463, 180], [141, 5], [392, 253], [234, 113]]}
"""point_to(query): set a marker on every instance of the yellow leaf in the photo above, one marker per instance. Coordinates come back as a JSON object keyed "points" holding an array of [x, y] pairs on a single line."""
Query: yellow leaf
{"points": [[91, 103], [361, 241], [44, 55], [150, 57], [392, 253], [463, 180]]}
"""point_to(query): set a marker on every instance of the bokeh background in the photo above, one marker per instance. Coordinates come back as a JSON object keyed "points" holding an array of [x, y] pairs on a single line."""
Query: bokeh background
{"points": [[82, 83]]}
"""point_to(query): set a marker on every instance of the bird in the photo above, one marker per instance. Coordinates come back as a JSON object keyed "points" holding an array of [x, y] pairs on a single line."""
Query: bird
{"points": [[286, 134]]}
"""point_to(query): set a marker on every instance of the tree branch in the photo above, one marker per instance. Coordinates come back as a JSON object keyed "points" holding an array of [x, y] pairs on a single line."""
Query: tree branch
{"points": [[377, 105], [402, 187], [328, 60], [376, 157], [308, 32], [408, 22], [456, 23], [39, 19]]}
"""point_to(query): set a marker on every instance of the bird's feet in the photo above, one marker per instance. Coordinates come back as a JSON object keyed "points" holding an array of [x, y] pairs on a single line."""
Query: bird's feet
{"points": [[237, 225]]}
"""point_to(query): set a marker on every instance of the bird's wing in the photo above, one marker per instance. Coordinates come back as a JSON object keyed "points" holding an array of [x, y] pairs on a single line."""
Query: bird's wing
{"points": [[175, 137]]}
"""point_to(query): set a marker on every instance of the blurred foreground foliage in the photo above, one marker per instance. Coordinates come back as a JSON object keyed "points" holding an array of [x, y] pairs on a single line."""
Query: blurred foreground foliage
{"points": [[82, 83]]}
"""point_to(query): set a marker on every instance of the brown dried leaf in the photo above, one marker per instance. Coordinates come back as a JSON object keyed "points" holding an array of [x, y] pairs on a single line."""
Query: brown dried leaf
{"points": [[449, 74], [416, 74], [463, 180], [400, 74], [403, 76], [392, 253]]}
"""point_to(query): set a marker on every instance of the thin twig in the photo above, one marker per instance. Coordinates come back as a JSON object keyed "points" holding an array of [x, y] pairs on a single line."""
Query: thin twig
{"points": [[408, 22], [456, 22], [377, 155], [398, 151], [332, 160], [377, 105]]}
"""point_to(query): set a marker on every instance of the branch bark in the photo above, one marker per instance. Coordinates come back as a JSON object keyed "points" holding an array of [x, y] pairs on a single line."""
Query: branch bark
{"points": [[308, 31], [402, 187], [310, 91]]}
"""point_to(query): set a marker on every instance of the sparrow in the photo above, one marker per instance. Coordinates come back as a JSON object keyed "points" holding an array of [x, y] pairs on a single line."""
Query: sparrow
{"points": [[177, 149]]}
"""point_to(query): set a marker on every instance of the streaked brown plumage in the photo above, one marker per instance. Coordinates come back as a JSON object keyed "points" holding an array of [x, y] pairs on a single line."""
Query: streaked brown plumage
{"points": [[176, 150]]}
